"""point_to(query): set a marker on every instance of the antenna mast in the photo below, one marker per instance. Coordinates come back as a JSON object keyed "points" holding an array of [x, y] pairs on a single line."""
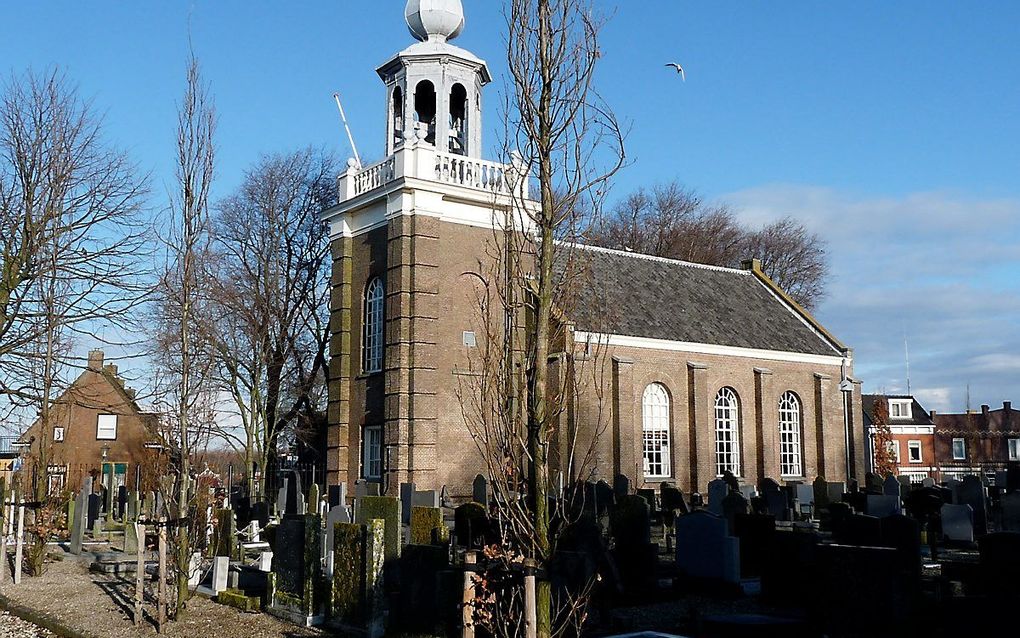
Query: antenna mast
{"points": [[906, 355], [343, 117]]}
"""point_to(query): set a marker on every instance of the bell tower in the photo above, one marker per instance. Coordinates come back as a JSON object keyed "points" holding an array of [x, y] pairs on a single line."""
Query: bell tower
{"points": [[433, 88]]}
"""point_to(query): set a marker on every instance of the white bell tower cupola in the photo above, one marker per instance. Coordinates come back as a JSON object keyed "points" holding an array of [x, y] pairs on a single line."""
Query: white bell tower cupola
{"points": [[433, 88]]}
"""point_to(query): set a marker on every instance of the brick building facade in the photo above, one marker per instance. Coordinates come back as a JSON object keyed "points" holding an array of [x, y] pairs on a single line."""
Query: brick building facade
{"points": [[977, 442], [705, 368], [912, 431]]}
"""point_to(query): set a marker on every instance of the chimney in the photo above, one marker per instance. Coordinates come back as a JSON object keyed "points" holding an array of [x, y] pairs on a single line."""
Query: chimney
{"points": [[111, 368], [130, 392], [1007, 405], [95, 360], [931, 415]]}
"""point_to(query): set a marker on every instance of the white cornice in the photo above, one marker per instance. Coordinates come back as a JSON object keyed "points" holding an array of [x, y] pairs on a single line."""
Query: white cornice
{"points": [[625, 341]]}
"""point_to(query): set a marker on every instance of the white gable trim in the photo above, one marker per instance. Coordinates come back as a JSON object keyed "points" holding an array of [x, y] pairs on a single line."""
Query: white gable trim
{"points": [[625, 341]]}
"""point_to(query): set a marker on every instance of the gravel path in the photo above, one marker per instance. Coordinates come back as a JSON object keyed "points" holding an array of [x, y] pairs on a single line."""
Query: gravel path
{"points": [[100, 605], [14, 627]]}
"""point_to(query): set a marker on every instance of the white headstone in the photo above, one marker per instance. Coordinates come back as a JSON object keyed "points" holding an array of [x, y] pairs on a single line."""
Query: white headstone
{"points": [[221, 568]]}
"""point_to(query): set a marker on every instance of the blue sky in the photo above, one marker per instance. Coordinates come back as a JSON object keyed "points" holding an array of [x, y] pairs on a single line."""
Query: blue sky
{"points": [[893, 129]]}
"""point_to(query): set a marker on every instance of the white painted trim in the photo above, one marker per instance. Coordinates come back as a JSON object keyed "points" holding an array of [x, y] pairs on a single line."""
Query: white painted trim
{"points": [[665, 260], [906, 429], [624, 341]]}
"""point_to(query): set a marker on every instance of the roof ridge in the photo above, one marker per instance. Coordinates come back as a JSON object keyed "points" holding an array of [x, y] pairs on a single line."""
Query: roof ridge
{"points": [[667, 260]]}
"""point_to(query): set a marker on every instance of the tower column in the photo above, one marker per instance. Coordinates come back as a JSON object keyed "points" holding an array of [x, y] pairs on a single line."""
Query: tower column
{"points": [[338, 459]]}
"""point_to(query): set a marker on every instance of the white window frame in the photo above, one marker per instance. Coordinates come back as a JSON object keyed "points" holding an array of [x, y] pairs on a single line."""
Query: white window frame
{"points": [[901, 408], [963, 443], [791, 462], [58, 434], [1013, 449], [372, 452], [372, 346], [894, 448], [911, 446], [655, 431], [727, 432], [106, 427]]}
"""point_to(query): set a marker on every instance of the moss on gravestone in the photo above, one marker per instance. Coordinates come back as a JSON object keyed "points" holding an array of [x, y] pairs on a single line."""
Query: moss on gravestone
{"points": [[426, 525], [347, 599], [387, 509], [238, 600]]}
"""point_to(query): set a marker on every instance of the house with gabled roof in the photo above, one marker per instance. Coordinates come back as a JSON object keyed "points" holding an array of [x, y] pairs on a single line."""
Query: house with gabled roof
{"points": [[910, 437], [96, 427]]}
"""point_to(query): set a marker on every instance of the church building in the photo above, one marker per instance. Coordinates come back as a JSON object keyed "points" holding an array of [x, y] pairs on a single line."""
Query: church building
{"points": [[707, 370]]}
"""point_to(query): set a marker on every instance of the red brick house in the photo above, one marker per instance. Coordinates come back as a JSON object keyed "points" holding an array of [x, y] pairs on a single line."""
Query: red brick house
{"points": [[96, 426], [977, 441], [913, 435]]}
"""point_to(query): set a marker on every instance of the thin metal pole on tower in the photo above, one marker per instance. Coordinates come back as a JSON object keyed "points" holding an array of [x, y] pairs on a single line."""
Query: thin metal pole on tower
{"points": [[343, 117]]}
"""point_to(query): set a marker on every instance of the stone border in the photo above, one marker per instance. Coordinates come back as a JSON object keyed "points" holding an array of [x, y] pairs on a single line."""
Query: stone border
{"points": [[39, 618]]}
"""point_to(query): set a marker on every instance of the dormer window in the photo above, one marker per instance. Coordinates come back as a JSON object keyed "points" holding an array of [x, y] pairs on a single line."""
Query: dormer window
{"points": [[901, 408]]}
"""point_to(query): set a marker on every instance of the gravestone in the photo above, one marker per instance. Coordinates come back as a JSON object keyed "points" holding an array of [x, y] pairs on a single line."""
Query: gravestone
{"points": [[958, 523], [649, 496], [1010, 506], [122, 499], [859, 530], [621, 486], [731, 481], [337, 495], [704, 549], [789, 559], [905, 484], [293, 585], [427, 526], [778, 504], [226, 534], [881, 506], [748, 491], [999, 565], [635, 555], [471, 525], [81, 519], [364, 488], [604, 497], [836, 490], [94, 505], [480, 491], [820, 493], [1012, 476], [972, 492], [260, 513], [673, 500], [873, 483], [356, 596], [130, 539], [314, 499], [336, 514], [806, 499], [892, 487], [903, 534], [881, 598], [717, 491], [294, 505], [406, 502], [387, 509], [732, 506], [927, 482], [756, 533], [220, 571], [953, 485], [424, 498], [281, 498]]}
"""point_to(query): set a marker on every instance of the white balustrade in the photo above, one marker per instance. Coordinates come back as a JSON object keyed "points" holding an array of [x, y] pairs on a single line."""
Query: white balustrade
{"points": [[374, 176]]}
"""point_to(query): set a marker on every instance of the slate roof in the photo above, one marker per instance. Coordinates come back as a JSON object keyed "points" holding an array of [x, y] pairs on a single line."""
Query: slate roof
{"points": [[622, 293], [919, 416]]}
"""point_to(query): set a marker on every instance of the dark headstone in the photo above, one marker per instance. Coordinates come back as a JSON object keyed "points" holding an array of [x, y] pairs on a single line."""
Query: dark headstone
{"points": [[296, 552], [705, 550], [731, 481], [336, 495], [1012, 476], [972, 492], [882, 596], [94, 507], [425, 593], [294, 493], [649, 496], [480, 491], [860, 530], [1010, 507], [406, 502], [1000, 564], [873, 483], [260, 513], [122, 499], [734, 505], [604, 497], [787, 563], [717, 491], [621, 486], [471, 525], [630, 524], [957, 523], [673, 500], [756, 533]]}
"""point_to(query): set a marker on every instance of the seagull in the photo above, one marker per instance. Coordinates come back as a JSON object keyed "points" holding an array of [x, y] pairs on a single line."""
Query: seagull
{"points": [[679, 69]]}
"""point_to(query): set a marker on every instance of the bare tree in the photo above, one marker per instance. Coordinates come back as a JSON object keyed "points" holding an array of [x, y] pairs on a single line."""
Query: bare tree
{"points": [[560, 129], [270, 305], [72, 245], [182, 344], [671, 221]]}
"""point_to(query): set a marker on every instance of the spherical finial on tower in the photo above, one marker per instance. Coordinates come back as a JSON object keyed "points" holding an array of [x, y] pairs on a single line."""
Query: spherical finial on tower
{"points": [[439, 20]]}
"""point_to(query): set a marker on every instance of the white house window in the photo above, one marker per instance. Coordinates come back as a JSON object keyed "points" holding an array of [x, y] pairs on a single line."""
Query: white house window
{"points": [[655, 428], [373, 452], [372, 348], [58, 434], [789, 435], [1014, 449], [893, 448], [106, 427], [959, 449], [727, 441], [914, 451], [901, 408]]}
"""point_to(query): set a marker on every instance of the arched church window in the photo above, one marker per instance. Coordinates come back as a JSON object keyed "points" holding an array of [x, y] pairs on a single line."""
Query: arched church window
{"points": [[398, 116], [789, 436], [372, 346], [727, 432], [655, 430], [458, 119], [425, 109]]}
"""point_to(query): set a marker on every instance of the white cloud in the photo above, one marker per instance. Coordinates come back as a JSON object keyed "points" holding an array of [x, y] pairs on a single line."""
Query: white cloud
{"points": [[937, 269]]}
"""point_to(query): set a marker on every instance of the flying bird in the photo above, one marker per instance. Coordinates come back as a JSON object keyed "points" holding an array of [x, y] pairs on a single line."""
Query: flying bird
{"points": [[679, 69]]}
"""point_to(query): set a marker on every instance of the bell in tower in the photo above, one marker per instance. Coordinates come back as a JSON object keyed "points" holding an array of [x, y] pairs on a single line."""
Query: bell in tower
{"points": [[434, 89]]}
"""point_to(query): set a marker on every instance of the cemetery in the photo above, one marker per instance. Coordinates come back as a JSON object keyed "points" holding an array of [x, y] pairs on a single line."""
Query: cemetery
{"points": [[885, 557]]}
